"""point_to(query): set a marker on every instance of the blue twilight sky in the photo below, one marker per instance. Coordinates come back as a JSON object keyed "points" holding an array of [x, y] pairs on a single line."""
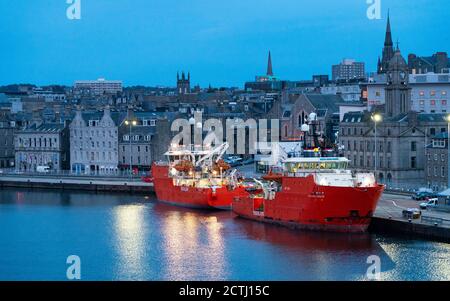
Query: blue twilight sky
{"points": [[220, 42]]}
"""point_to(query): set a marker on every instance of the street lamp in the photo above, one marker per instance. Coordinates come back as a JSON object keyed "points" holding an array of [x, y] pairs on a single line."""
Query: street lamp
{"points": [[130, 124], [376, 118], [448, 150]]}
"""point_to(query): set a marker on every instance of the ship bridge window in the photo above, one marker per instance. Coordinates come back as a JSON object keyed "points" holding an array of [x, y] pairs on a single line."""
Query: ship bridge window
{"points": [[294, 167]]}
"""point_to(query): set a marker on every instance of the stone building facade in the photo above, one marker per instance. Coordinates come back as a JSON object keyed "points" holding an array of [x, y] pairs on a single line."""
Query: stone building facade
{"points": [[401, 135], [143, 143], [7, 128], [42, 145], [436, 169], [94, 143]]}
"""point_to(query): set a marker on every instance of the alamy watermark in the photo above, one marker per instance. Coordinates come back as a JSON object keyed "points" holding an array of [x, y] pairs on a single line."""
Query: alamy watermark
{"points": [[374, 270], [374, 9], [73, 12], [244, 137], [74, 269]]}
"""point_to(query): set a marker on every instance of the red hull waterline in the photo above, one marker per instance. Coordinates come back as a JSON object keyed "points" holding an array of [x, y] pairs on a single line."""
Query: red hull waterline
{"points": [[191, 197], [305, 205]]}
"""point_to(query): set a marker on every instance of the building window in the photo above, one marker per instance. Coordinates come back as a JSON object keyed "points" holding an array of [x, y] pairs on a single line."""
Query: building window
{"points": [[126, 138], [444, 102], [433, 102], [413, 146], [152, 122], [413, 162], [442, 171]]}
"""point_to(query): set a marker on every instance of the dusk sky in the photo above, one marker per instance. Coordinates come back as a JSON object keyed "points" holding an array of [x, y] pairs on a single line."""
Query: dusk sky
{"points": [[224, 43]]}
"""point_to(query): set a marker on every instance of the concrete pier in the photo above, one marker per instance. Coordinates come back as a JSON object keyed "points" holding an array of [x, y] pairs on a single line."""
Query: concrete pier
{"points": [[116, 184], [388, 218]]}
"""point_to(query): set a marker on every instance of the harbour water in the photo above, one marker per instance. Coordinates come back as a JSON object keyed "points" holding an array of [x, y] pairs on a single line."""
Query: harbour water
{"points": [[133, 237]]}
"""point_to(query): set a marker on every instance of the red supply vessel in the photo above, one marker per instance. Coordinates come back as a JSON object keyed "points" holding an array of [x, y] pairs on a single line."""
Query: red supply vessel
{"points": [[317, 193], [196, 177]]}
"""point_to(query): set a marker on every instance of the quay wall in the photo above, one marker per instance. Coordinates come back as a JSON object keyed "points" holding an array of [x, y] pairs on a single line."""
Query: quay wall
{"points": [[410, 229], [78, 184]]}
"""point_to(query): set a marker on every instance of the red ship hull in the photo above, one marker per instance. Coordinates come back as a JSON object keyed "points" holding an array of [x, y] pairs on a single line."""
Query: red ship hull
{"points": [[304, 204], [192, 197]]}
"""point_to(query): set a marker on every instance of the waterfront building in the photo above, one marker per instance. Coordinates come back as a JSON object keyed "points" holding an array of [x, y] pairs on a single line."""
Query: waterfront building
{"points": [[44, 144], [348, 69], [7, 128], [436, 162], [144, 137], [94, 142], [98, 87]]}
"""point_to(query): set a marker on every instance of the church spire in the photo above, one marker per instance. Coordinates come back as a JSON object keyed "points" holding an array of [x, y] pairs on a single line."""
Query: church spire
{"points": [[388, 38], [388, 49], [269, 65]]}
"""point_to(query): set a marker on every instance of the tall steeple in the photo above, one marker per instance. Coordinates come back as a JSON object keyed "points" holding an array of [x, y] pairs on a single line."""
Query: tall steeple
{"points": [[269, 65], [388, 38], [388, 49]]}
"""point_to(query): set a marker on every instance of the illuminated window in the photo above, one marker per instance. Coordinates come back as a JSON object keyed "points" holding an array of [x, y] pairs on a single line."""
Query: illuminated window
{"points": [[433, 93], [433, 102], [444, 102], [421, 93]]}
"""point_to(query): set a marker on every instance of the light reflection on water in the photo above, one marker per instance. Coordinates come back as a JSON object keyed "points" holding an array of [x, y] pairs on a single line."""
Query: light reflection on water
{"points": [[131, 239], [123, 237]]}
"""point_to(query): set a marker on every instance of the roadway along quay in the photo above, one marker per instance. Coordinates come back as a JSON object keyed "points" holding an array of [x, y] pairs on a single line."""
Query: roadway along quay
{"points": [[77, 182], [389, 218]]}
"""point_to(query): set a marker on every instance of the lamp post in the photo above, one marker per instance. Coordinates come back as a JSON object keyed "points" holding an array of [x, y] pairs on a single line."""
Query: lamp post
{"points": [[448, 151], [130, 124], [376, 118]]}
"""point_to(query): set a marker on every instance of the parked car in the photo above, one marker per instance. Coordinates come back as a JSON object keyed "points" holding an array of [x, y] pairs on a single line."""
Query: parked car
{"points": [[43, 169], [423, 195], [411, 213], [430, 204]]}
